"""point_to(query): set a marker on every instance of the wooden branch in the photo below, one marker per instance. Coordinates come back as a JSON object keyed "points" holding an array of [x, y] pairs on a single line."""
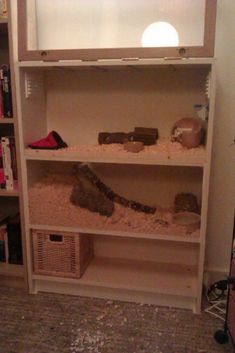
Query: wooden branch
{"points": [[109, 193], [148, 136], [86, 195]]}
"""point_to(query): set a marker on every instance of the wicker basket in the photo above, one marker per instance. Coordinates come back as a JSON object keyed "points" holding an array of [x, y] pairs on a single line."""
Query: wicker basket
{"points": [[61, 254]]}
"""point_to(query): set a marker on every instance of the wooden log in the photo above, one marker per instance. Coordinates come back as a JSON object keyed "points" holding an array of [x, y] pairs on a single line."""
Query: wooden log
{"points": [[148, 136], [109, 193], [106, 138], [86, 195]]}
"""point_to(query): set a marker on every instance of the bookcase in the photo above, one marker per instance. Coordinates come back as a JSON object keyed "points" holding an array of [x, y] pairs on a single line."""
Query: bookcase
{"points": [[11, 268], [136, 257], [132, 261]]}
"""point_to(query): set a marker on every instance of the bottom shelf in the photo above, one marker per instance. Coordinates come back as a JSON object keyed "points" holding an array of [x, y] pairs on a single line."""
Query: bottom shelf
{"points": [[10, 270], [142, 276], [9, 193], [130, 275]]}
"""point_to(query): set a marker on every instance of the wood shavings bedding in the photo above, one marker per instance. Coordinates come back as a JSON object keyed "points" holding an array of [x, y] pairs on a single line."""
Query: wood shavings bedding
{"points": [[49, 204]]}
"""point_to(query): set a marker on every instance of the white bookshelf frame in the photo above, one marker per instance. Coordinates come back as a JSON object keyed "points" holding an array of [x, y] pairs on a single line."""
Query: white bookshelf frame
{"points": [[106, 288]]}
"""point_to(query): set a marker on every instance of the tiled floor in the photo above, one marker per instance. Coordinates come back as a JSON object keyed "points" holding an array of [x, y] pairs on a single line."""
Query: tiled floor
{"points": [[48, 323]]}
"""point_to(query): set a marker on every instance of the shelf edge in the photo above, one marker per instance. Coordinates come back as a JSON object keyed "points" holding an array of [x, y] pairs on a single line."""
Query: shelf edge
{"points": [[125, 234]]}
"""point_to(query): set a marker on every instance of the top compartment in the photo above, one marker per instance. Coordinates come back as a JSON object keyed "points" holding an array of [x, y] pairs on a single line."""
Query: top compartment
{"points": [[87, 101], [115, 29]]}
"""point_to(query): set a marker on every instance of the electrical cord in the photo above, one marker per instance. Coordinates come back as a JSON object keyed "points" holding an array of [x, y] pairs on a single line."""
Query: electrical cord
{"points": [[217, 291], [217, 297]]}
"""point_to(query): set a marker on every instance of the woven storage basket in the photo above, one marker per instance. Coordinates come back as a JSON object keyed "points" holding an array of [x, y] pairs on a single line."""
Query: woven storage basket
{"points": [[61, 254]]}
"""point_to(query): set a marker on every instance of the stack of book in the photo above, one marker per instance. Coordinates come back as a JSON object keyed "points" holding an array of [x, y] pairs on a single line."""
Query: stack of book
{"points": [[6, 110], [8, 167]]}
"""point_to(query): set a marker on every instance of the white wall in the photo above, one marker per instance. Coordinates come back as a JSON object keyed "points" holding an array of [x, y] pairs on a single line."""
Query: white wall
{"points": [[222, 189]]}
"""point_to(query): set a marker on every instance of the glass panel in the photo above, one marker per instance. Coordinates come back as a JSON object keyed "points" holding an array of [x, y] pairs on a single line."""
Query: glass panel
{"points": [[85, 24]]}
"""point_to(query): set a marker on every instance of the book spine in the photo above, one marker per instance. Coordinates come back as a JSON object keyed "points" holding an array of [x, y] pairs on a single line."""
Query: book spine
{"points": [[6, 154], [6, 91], [9, 179], [6, 242], [1, 102], [2, 175], [3, 243], [13, 157]]}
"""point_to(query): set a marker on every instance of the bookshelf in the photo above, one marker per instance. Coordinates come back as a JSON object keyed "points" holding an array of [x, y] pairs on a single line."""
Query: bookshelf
{"points": [[130, 263], [79, 93], [11, 274]]}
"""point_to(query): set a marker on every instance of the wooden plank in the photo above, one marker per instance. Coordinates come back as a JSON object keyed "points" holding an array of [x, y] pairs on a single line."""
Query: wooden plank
{"points": [[78, 154], [94, 231], [151, 250], [9, 193], [186, 62], [205, 188], [7, 121], [113, 293], [11, 270], [12, 50], [171, 279]]}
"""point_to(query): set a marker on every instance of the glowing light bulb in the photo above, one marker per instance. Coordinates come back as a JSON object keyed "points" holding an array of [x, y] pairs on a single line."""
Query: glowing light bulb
{"points": [[160, 34]]}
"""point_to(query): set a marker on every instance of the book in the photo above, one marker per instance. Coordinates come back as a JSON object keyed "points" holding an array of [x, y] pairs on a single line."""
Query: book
{"points": [[5, 78], [9, 179], [7, 162], [1, 102], [3, 243], [12, 146], [2, 175]]}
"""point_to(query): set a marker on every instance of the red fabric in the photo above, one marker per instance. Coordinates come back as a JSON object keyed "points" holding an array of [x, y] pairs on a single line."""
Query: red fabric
{"points": [[51, 141]]}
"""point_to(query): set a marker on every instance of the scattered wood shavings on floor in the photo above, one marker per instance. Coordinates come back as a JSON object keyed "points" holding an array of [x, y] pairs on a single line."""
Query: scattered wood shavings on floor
{"points": [[148, 328]]}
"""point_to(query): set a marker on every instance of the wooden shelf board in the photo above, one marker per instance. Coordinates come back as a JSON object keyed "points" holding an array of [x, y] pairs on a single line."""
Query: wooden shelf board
{"points": [[3, 20], [199, 62], [151, 277], [174, 238], [7, 120], [9, 193], [127, 158], [11, 270]]}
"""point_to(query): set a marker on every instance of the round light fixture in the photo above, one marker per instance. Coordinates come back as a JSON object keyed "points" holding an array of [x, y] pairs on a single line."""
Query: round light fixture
{"points": [[160, 34]]}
